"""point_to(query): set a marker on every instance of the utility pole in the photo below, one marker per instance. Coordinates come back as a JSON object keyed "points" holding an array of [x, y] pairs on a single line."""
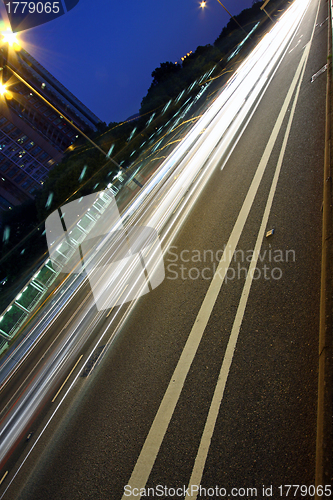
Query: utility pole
{"points": [[241, 27]]}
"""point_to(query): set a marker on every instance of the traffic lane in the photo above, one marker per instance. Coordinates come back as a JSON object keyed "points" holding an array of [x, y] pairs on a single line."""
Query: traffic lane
{"points": [[31, 387], [143, 331], [29, 405], [267, 424], [167, 446], [37, 353], [273, 383], [272, 388]]}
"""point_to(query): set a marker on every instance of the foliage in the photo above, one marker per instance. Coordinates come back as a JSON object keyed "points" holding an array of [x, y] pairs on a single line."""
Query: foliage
{"points": [[164, 72]]}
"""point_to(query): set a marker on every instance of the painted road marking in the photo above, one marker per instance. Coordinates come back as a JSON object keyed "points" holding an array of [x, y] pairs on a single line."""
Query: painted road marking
{"points": [[201, 457], [70, 373], [3, 477], [163, 417]]}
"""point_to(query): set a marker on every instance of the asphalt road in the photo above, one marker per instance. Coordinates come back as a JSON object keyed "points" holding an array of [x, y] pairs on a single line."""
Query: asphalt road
{"points": [[260, 428]]}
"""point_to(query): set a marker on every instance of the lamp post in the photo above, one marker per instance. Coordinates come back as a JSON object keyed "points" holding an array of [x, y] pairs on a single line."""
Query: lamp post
{"points": [[10, 40]]}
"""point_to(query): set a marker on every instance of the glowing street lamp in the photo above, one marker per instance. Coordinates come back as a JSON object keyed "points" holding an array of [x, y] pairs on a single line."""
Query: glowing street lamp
{"points": [[4, 92], [8, 41], [203, 4], [11, 39], [3, 89]]}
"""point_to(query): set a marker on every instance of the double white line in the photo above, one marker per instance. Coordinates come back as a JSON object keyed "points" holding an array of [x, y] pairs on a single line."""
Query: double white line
{"points": [[163, 417]]}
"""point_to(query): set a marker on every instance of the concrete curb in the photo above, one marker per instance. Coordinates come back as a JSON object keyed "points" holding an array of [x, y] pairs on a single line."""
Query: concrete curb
{"points": [[324, 445]]}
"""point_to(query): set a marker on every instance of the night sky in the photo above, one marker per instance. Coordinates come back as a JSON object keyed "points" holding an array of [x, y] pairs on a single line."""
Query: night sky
{"points": [[104, 51]]}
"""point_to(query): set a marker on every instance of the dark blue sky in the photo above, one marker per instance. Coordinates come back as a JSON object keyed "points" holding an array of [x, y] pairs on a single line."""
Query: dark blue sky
{"points": [[104, 51]]}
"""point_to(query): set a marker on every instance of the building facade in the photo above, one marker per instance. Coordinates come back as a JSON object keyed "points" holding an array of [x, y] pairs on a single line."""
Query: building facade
{"points": [[33, 137]]}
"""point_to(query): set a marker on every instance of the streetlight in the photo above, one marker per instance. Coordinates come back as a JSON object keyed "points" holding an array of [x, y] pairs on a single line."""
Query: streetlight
{"points": [[11, 39], [203, 4], [3, 89], [4, 92]]}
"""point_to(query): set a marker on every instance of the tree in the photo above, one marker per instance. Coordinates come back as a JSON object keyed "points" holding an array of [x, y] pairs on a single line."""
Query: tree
{"points": [[164, 72]]}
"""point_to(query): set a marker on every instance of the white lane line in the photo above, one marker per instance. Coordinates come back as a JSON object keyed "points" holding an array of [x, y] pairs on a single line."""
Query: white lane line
{"points": [[70, 373], [204, 446], [162, 419]]}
